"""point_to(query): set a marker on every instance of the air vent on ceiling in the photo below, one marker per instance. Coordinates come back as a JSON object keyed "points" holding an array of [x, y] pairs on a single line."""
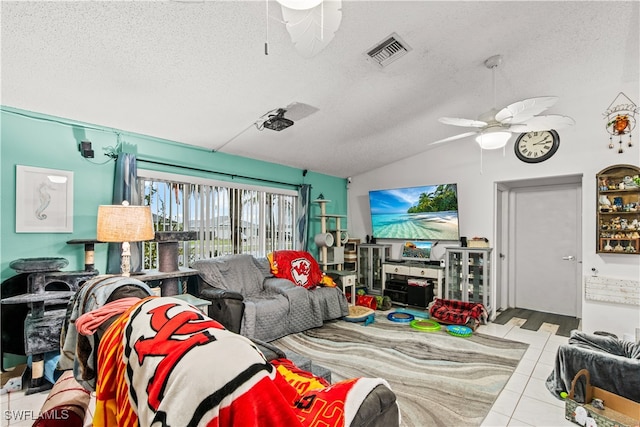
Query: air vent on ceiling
{"points": [[384, 53]]}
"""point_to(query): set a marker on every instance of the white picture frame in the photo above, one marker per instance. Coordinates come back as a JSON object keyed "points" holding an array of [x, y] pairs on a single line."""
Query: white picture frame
{"points": [[44, 200]]}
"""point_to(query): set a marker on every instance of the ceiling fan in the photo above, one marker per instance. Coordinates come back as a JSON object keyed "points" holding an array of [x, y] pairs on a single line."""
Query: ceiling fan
{"points": [[311, 23], [494, 128]]}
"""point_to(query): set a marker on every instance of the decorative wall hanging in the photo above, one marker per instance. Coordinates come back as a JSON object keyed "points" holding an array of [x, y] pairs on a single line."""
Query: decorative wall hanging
{"points": [[621, 120], [44, 200]]}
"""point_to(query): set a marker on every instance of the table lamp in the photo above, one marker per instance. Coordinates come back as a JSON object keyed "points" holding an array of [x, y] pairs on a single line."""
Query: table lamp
{"points": [[123, 224]]}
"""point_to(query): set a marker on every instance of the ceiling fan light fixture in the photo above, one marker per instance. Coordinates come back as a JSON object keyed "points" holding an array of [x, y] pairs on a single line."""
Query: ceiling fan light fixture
{"points": [[493, 140]]}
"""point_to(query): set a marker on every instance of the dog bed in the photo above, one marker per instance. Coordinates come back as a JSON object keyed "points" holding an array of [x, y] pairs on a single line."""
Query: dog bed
{"points": [[458, 312]]}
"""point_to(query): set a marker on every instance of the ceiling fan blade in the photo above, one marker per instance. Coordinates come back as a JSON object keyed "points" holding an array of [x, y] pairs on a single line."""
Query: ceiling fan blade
{"points": [[453, 138], [520, 111], [462, 122], [313, 29], [538, 123]]}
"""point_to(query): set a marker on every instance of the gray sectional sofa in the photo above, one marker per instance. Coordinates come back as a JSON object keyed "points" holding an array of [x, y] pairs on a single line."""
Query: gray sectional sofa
{"points": [[246, 298]]}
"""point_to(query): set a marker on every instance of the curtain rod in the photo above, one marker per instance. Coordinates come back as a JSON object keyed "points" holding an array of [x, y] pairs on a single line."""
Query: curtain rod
{"points": [[231, 175]]}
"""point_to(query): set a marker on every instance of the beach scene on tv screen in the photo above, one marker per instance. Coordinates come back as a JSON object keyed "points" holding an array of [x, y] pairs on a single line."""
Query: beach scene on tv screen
{"points": [[426, 213]]}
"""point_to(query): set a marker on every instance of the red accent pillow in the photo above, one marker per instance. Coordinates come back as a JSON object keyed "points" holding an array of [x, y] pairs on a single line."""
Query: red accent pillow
{"points": [[298, 266]]}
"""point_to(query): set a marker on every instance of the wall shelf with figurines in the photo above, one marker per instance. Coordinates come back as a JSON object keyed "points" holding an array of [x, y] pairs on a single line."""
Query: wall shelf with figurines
{"points": [[618, 210]]}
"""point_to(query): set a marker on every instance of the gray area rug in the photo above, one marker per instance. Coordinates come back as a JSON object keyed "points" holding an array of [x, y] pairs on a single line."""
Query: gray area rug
{"points": [[439, 379]]}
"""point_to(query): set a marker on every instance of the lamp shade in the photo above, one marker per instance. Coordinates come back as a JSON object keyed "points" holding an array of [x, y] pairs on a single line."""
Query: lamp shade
{"points": [[492, 140], [124, 223]]}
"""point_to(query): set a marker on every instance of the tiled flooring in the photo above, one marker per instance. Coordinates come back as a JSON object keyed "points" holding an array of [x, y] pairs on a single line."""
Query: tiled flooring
{"points": [[524, 401]]}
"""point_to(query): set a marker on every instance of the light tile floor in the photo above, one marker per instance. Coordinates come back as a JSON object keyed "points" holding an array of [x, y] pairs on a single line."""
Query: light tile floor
{"points": [[524, 401]]}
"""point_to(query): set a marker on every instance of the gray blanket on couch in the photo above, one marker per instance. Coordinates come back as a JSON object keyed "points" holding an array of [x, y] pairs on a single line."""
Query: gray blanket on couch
{"points": [[613, 365], [273, 307]]}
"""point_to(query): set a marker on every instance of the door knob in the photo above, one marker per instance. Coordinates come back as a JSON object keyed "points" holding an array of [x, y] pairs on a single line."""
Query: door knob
{"points": [[568, 258]]}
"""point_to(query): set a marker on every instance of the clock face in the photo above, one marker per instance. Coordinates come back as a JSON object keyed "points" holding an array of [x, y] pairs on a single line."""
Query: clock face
{"points": [[535, 147]]}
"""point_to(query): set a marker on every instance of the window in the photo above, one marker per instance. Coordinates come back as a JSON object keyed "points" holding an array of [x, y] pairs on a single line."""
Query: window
{"points": [[229, 218]]}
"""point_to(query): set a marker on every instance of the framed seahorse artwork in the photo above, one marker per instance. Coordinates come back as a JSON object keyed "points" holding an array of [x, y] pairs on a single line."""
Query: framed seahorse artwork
{"points": [[44, 200]]}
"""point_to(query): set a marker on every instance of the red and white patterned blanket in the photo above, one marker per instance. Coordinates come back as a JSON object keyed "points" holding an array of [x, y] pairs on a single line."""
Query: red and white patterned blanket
{"points": [[166, 364]]}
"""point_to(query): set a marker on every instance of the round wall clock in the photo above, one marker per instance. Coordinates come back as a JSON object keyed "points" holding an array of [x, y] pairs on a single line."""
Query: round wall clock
{"points": [[538, 146]]}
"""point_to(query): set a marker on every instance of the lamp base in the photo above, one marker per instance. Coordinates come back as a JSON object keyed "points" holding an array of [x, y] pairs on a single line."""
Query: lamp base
{"points": [[125, 261]]}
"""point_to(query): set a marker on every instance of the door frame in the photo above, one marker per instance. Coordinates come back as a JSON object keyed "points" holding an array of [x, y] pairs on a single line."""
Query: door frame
{"points": [[504, 235], [502, 246]]}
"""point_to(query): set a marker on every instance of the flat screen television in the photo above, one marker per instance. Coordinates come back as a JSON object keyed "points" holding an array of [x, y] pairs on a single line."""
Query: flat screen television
{"points": [[427, 212]]}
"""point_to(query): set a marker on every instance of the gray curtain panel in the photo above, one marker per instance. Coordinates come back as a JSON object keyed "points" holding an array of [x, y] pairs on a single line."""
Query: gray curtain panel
{"points": [[302, 222]]}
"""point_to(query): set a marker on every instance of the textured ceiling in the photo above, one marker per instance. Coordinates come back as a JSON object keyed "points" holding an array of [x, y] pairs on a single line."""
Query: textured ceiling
{"points": [[195, 71]]}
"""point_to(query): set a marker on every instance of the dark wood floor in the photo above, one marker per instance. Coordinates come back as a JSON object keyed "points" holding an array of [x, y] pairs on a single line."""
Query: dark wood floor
{"points": [[535, 319]]}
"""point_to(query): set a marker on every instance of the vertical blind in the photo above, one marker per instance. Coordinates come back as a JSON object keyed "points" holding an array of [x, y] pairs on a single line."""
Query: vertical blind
{"points": [[229, 219]]}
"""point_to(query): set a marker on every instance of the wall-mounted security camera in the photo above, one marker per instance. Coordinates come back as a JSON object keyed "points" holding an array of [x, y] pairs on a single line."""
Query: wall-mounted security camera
{"points": [[85, 149]]}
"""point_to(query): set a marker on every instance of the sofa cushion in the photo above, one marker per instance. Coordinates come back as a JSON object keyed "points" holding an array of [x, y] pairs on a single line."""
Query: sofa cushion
{"points": [[264, 265], [241, 273]]}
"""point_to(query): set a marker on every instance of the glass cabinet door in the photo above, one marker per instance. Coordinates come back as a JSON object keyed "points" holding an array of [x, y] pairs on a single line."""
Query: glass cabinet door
{"points": [[455, 275], [364, 265], [371, 257], [380, 254], [477, 284], [468, 275], [376, 270]]}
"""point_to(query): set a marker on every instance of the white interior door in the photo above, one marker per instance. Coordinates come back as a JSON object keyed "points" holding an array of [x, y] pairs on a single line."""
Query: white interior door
{"points": [[546, 248]]}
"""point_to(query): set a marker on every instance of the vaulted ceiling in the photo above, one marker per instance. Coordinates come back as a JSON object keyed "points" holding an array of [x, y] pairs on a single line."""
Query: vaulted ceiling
{"points": [[196, 71]]}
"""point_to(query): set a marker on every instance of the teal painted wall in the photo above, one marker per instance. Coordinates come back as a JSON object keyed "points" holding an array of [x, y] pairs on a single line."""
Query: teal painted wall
{"points": [[39, 140]]}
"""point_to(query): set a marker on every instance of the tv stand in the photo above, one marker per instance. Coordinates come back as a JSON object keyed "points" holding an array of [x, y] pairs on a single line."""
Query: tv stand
{"points": [[413, 283]]}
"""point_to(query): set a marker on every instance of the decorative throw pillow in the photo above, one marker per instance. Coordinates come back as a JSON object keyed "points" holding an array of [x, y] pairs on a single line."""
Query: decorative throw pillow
{"points": [[299, 267]]}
